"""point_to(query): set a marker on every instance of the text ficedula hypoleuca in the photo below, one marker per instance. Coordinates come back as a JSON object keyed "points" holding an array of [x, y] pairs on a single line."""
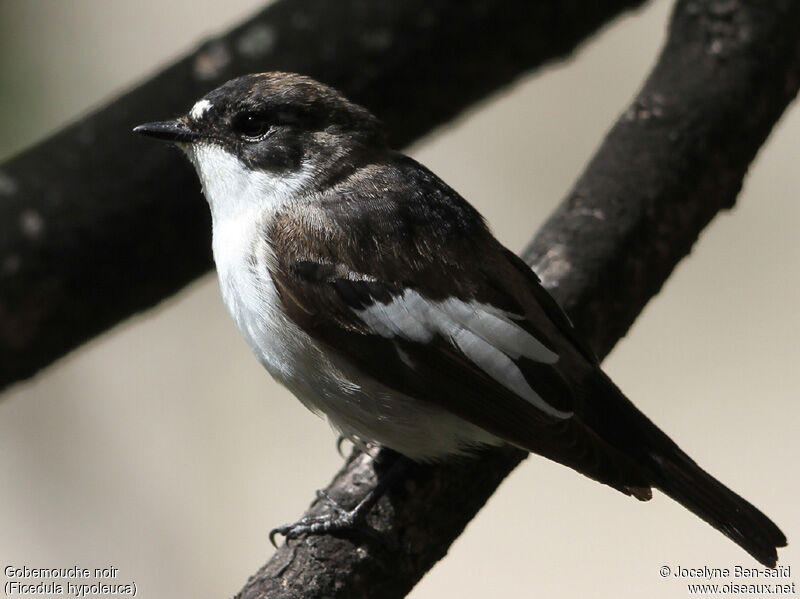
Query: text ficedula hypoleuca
{"points": [[378, 296]]}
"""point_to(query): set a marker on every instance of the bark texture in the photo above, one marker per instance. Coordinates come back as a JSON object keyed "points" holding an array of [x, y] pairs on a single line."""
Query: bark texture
{"points": [[674, 159], [96, 224]]}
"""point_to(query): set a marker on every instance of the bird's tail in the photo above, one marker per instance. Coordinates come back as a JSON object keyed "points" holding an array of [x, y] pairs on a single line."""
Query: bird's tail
{"points": [[688, 484], [677, 475]]}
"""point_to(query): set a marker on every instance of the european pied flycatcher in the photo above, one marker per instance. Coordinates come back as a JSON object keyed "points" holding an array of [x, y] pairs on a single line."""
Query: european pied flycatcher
{"points": [[378, 296]]}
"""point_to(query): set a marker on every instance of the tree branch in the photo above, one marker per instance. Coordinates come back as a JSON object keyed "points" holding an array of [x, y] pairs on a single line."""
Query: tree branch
{"points": [[96, 224], [676, 157]]}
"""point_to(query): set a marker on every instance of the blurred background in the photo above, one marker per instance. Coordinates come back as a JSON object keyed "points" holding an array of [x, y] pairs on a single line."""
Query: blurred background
{"points": [[163, 449]]}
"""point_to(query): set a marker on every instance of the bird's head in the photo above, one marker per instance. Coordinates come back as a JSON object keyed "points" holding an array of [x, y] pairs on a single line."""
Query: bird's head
{"points": [[284, 126]]}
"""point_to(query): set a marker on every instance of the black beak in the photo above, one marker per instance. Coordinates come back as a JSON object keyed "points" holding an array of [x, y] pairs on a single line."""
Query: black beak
{"points": [[176, 131]]}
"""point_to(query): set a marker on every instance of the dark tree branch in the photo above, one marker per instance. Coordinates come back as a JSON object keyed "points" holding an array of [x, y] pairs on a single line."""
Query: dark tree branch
{"points": [[675, 158], [96, 224]]}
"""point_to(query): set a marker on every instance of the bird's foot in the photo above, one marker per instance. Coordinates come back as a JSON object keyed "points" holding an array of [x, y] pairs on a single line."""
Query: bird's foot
{"points": [[392, 466], [338, 520]]}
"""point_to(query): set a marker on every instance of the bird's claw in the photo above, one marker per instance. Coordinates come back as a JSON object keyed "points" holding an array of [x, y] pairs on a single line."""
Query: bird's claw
{"points": [[341, 439], [311, 525], [337, 521], [340, 519]]}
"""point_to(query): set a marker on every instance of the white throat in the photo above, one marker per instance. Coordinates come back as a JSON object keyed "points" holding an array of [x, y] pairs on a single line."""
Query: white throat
{"points": [[242, 201], [233, 190]]}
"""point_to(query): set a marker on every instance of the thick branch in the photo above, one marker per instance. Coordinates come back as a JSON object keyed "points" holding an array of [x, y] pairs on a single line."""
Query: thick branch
{"points": [[96, 224], [674, 159]]}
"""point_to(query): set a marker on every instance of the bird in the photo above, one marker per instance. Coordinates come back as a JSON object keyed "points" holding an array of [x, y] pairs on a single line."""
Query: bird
{"points": [[379, 297]]}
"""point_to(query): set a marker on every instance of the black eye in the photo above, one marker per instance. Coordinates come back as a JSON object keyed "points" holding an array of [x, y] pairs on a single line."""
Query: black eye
{"points": [[251, 124]]}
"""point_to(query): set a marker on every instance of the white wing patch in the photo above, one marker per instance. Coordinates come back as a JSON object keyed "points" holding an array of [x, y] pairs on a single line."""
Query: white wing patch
{"points": [[199, 109], [488, 336]]}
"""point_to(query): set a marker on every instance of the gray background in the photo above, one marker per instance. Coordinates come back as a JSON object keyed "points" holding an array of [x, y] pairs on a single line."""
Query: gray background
{"points": [[163, 449]]}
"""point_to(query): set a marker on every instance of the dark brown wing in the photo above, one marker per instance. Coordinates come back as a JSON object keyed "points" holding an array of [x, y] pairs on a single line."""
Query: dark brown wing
{"points": [[446, 319]]}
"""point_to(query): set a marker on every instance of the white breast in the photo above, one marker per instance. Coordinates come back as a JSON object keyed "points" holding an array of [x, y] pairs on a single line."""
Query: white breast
{"points": [[242, 203]]}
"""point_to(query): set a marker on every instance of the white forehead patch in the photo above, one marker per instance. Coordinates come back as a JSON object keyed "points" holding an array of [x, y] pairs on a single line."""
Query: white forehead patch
{"points": [[199, 109]]}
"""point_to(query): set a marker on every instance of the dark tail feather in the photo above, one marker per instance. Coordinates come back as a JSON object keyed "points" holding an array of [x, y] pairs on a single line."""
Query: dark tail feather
{"points": [[689, 485], [677, 475]]}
